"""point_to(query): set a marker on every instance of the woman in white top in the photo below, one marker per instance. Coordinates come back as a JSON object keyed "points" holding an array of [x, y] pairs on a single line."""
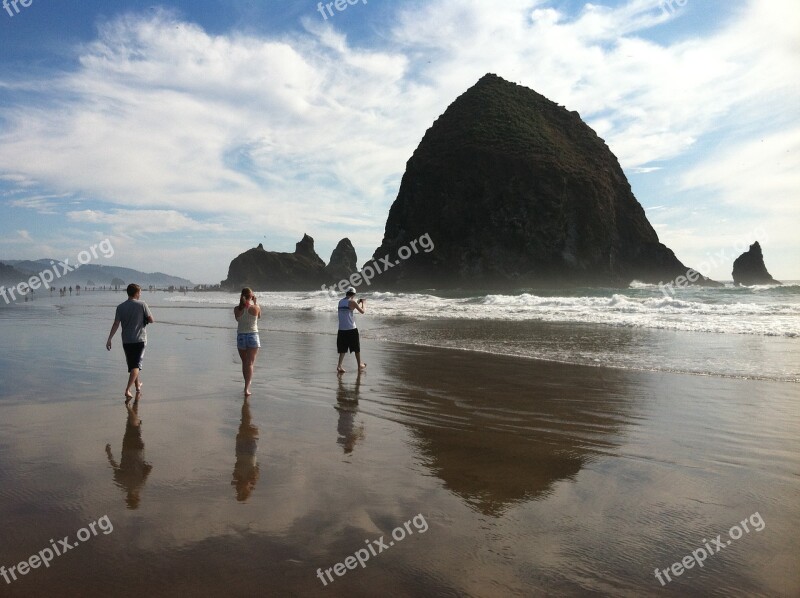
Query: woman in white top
{"points": [[247, 314]]}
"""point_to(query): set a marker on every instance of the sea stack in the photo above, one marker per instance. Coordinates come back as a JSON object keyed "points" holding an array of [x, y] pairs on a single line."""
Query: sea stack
{"points": [[343, 262], [749, 268], [264, 270], [516, 191]]}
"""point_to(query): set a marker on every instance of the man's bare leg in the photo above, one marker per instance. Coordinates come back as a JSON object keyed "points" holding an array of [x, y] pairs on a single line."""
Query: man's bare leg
{"points": [[339, 367], [132, 377], [361, 364]]}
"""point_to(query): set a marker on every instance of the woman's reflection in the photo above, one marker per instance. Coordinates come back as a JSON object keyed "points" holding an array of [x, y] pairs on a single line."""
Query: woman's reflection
{"points": [[132, 470], [245, 472], [347, 405]]}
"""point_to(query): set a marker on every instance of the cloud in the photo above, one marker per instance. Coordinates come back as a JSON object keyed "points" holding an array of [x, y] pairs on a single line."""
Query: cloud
{"points": [[140, 222], [309, 131], [744, 176]]}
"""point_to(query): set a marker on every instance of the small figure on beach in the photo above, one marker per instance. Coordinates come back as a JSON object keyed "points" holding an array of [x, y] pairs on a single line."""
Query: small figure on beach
{"points": [[248, 343], [347, 339], [133, 315], [132, 470], [245, 472]]}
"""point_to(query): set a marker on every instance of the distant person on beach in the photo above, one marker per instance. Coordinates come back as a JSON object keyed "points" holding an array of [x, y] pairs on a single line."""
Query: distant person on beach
{"points": [[133, 315], [247, 314], [347, 339]]}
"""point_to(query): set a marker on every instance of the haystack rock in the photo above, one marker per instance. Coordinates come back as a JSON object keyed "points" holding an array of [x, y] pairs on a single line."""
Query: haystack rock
{"points": [[264, 270], [749, 268], [343, 262], [516, 191]]}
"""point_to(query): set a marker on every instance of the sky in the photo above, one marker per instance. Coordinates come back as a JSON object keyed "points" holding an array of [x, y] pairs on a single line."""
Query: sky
{"points": [[187, 132]]}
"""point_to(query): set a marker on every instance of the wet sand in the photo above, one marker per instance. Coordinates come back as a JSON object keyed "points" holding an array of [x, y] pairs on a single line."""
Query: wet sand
{"points": [[533, 478]]}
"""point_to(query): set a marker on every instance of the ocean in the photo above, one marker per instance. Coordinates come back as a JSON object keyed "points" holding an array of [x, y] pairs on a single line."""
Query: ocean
{"points": [[747, 332]]}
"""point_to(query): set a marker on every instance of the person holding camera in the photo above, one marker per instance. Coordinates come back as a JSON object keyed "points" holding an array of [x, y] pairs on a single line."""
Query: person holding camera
{"points": [[347, 339], [248, 343]]}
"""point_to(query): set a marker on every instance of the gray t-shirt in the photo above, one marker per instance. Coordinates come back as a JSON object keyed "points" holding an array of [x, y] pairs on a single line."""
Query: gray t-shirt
{"points": [[133, 316]]}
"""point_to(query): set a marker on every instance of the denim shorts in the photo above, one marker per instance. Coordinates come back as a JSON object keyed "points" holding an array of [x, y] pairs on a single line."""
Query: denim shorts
{"points": [[248, 340]]}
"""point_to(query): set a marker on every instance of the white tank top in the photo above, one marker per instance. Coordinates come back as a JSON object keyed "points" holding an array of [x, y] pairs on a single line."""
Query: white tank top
{"points": [[247, 322], [347, 316]]}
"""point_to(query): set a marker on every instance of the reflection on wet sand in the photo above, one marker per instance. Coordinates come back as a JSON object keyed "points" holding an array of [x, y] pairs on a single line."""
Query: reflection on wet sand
{"points": [[505, 435], [132, 470], [347, 406], [245, 472]]}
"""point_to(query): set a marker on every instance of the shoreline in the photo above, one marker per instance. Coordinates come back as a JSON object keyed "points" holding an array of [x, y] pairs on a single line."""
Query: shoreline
{"points": [[543, 360], [595, 344]]}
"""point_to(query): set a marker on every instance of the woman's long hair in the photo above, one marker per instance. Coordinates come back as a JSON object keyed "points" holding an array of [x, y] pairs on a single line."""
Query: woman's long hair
{"points": [[247, 293]]}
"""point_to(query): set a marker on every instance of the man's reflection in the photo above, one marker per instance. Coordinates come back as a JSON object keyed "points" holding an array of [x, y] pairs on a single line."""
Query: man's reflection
{"points": [[132, 470], [347, 405], [245, 472]]}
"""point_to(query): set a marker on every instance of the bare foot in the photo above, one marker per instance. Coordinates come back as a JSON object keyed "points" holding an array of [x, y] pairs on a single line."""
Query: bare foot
{"points": [[341, 370], [362, 366], [128, 396], [139, 386], [247, 392]]}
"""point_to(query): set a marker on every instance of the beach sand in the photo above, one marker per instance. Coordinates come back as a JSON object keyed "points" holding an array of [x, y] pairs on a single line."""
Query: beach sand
{"points": [[531, 477]]}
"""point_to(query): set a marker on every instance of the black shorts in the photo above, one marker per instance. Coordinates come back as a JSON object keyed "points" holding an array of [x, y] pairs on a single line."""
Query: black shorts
{"points": [[134, 353], [348, 340]]}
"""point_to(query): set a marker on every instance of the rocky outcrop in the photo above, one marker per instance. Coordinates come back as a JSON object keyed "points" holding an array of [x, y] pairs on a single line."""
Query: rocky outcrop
{"points": [[749, 268], [264, 270], [343, 262], [516, 191]]}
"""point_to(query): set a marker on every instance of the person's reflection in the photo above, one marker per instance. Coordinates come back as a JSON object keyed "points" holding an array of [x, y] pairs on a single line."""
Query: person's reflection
{"points": [[132, 470], [347, 405], [245, 472]]}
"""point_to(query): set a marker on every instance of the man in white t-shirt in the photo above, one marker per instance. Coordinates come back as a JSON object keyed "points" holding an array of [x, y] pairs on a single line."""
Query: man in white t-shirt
{"points": [[347, 339]]}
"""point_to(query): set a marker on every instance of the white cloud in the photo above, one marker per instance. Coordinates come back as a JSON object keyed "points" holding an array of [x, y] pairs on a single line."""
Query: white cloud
{"points": [[759, 175], [43, 204], [307, 132], [140, 222]]}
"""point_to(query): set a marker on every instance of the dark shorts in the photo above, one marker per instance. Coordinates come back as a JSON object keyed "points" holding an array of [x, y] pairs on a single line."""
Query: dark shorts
{"points": [[348, 340], [134, 353]]}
